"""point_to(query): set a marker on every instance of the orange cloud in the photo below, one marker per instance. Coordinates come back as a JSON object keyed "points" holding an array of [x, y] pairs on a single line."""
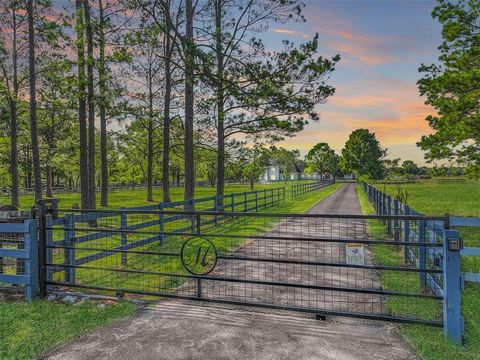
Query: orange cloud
{"points": [[284, 31]]}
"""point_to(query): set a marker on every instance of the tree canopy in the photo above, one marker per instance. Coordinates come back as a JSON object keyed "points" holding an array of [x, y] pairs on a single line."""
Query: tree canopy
{"points": [[452, 86], [362, 155]]}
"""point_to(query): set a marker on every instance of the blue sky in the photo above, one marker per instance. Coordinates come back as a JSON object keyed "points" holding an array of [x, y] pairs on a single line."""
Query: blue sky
{"points": [[382, 44]]}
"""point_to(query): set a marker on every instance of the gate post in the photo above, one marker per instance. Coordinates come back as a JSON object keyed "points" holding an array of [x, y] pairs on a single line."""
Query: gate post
{"points": [[452, 302]]}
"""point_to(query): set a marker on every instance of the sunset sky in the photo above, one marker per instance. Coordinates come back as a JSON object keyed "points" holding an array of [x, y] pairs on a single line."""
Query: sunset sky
{"points": [[382, 44]]}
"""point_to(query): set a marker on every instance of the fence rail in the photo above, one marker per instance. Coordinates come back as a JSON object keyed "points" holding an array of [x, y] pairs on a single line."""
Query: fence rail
{"points": [[305, 188]]}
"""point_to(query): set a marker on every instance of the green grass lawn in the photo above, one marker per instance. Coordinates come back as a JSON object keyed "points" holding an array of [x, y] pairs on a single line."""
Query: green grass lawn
{"points": [[134, 198], [459, 199], [28, 330], [429, 342]]}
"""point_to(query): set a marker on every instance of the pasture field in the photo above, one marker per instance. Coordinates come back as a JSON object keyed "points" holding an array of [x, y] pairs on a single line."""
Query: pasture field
{"points": [[434, 198], [457, 199], [429, 342], [27, 333], [137, 197]]}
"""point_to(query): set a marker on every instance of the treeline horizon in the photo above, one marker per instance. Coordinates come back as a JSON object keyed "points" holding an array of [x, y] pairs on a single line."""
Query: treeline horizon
{"points": [[148, 87]]}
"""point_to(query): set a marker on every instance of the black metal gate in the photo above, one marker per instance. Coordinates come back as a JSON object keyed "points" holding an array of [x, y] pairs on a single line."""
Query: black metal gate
{"points": [[325, 264]]}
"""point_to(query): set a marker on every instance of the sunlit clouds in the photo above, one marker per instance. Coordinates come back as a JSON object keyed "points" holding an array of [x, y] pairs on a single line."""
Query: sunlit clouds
{"points": [[382, 44]]}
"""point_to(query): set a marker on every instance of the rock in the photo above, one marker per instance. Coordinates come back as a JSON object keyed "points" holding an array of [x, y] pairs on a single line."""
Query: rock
{"points": [[102, 306], [52, 297], [69, 299], [82, 301]]}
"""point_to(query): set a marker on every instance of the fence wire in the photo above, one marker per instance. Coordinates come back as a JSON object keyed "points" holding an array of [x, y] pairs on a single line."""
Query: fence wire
{"points": [[339, 264]]}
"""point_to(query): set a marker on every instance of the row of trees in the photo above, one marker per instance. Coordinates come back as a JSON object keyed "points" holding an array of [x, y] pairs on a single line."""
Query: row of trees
{"points": [[162, 88], [364, 157]]}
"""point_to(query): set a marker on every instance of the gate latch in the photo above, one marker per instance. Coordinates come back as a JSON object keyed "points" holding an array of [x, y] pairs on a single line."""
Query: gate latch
{"points": [[454, 244]]}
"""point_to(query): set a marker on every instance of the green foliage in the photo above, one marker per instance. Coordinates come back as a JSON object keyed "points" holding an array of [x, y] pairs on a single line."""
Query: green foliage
{"points": [[452, 86], [362, 155], [323, 160], [402, 194]]}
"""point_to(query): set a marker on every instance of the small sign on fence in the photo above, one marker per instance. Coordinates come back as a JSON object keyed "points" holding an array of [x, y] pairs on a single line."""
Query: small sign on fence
{"points": [[354, 254]]}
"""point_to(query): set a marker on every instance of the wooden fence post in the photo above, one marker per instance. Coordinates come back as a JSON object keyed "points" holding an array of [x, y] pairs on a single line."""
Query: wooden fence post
{"points": [[69, 252], [124, 235], [395, 221], [161, 224], [389, 212], [192, 217], [215, 208], [422, 253], [31, 265], [406, 233]]}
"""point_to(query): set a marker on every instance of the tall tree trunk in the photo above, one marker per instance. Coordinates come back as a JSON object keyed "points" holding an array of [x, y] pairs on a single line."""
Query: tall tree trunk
{"points": [[102, 83], [33, 103], [150, 160], [13, 117], [150, 140], [166, 113], [82, 107], [49, 178], [189, 84], [91, 106], [220, 100], [13, 152]]}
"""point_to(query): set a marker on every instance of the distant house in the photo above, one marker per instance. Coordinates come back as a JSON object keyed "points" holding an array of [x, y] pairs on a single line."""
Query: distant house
{"points": [[271, 173]]}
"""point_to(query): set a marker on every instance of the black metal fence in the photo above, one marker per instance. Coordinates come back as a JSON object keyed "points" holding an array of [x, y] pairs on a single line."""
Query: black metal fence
{"points": [[330, 264], [308, 187]]}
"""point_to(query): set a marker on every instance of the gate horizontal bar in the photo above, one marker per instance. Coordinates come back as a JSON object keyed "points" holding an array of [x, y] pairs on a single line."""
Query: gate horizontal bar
{"points": [[262, 305], [226, 257], [260, 237], [256, 214], [280, 261], [343, 265], [258, 282]]}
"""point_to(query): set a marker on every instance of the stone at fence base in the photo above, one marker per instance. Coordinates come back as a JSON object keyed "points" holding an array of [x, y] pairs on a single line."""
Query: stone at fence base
{"points": [[69, 299]]}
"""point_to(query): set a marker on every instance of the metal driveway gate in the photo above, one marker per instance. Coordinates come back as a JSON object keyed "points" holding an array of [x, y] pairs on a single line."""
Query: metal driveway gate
{"points": [[325, 264]]}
